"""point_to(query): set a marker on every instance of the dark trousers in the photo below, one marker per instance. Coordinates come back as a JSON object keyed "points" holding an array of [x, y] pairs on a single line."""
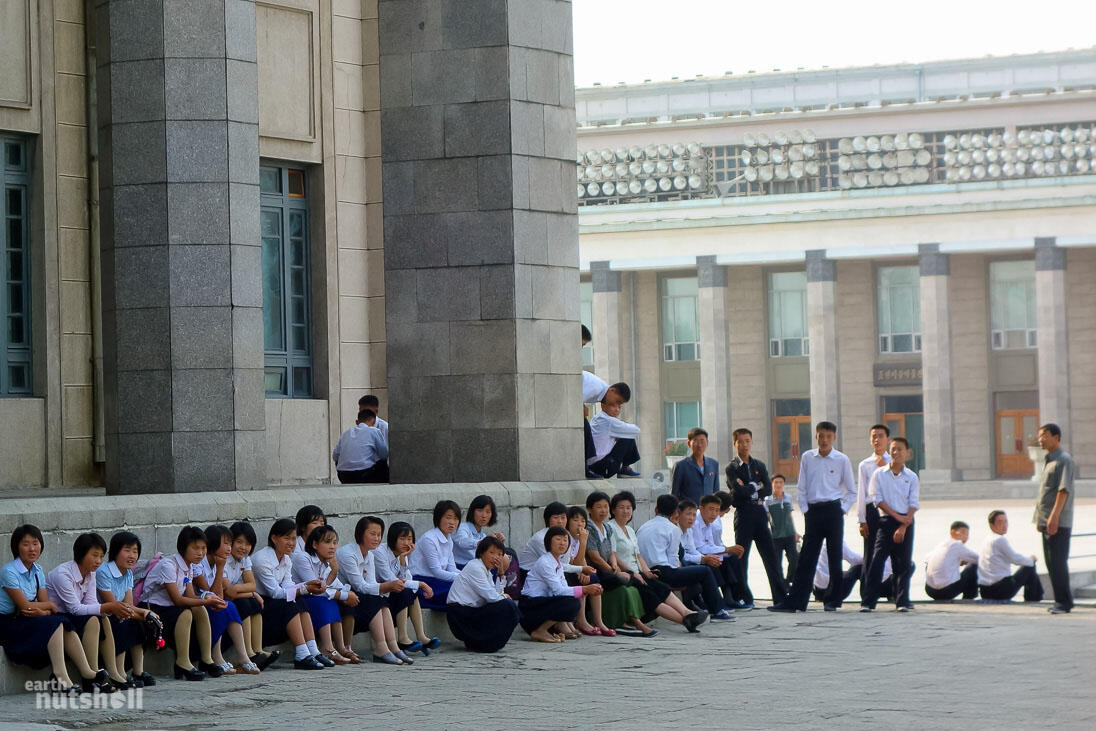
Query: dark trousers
{"points": [[1006, 588], [786, 547], [901, 556], [588, 441], [726, 578], [967, 586], [687, 577], [872, 518], [751, 525], [824, 522], [624, 453], [377, 473], [848, 581], [1056, 556]]}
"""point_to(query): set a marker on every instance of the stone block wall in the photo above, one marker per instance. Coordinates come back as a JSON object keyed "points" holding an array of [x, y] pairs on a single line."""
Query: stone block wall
{"points": [[969, 313]]}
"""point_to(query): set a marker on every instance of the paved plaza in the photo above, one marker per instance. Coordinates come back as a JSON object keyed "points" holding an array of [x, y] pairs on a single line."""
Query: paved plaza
{"points": [[943, 666]]}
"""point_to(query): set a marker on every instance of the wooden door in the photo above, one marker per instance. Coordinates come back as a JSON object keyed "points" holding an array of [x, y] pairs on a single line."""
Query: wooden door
{"points": [[912, 427], [791, 437], [1016, 429]]}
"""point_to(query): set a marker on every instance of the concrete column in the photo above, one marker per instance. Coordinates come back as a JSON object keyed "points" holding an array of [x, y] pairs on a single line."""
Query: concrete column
{"points": [[607, 289], [748, 346], [1053, 335], [481, 239], [822, 331], [715, 372], [936, 366], [182, 295]]}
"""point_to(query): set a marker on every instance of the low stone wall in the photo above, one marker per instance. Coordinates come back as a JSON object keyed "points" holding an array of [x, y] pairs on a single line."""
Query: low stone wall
{"points": [[158, 518]]}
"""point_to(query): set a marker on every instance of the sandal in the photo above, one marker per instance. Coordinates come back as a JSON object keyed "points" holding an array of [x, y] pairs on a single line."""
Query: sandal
{"points": [[607, 632], [595, 632]]}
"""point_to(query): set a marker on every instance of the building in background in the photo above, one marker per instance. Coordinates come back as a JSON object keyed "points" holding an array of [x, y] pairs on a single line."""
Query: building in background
{"points": [[911, 244]]}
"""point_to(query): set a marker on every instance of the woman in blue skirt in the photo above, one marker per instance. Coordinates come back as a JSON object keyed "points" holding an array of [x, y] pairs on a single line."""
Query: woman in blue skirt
{"points": [[433, 559], [225, 622], [318, 563]]}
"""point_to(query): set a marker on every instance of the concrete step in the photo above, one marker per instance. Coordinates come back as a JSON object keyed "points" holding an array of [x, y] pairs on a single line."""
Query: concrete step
{"points": [[1085, 592]]}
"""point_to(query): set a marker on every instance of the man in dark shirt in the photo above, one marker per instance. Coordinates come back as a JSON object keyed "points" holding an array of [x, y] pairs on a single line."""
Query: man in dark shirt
{"points": [[696, 475], [748, 482], [1054, 514]]}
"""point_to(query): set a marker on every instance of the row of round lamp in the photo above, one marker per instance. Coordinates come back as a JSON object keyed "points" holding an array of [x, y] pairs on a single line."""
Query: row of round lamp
{"points": [[874, 161], [1045, 152], [636, 171], [785, 155]]}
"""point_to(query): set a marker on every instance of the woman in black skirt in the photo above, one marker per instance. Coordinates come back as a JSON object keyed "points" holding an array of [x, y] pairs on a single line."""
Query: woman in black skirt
{"points": [[479, 614], [548, 606], [242, 589], [114, 582], [31, 631]]}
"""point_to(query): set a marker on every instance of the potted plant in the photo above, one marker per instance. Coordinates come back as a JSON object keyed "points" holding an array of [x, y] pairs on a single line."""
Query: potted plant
{"points": [[674, 451]]}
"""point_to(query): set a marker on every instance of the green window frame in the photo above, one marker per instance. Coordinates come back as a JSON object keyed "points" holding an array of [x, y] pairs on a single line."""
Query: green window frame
{"points": [[287, 290], [16, 372], [680, 417]]}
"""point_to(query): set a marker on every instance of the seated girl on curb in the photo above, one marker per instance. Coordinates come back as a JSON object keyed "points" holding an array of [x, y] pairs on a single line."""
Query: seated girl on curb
{"points": [[114, 582], [169, 591], [211, 579], [481, 514], [479, 614], [31, 631], [358, 570], [621, 602], [282, 614], [242, 589], [391, 559], [548, 606], [576, 556], [433, 560], [319, 563]]}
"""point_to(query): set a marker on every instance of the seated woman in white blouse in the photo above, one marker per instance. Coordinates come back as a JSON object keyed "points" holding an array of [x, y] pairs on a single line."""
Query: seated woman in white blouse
{"points": [[433, 559], [548, 606], [391, 561], [319, 562], [482, 514], [479, 614]]}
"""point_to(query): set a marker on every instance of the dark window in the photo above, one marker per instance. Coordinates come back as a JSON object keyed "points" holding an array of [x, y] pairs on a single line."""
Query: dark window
{"points": [[15, 339]]}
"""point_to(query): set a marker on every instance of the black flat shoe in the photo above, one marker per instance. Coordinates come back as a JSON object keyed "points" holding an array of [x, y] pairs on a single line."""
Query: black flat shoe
{"points": [[308, 663], [213, 670], [125, 684], [410, 646], [101, 683], [263, 660], [324, 660], [145, 678], [188, 674]]}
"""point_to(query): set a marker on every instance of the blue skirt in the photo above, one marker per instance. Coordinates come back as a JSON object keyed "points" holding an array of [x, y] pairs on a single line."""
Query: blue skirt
{"points": [[484, 629], [219, 619], [363, 614], [441, 593], [323, 610], [24, 639]]}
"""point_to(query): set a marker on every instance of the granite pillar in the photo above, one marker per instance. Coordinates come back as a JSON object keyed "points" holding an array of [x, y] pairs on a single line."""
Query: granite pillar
{"points": [[481, 239], [607, 288], [936, 368], [715, 372], [1053, 335], [822, 333], [182, 301]]}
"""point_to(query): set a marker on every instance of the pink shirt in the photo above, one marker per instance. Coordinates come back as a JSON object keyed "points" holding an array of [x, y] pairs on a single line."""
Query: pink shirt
{"points": [[72, 592]]}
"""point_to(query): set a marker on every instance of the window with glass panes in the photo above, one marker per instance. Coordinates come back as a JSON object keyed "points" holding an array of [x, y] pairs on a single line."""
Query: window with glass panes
{"points": [[680, 323], [788, 314], [681, 416], [287, 320], [899, 302], [15, 346], [586, 312], [1012, 304]]}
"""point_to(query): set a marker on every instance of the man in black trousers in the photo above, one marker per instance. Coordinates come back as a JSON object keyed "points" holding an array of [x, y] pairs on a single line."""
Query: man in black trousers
{"points": [[749, 485], [825, 492]]}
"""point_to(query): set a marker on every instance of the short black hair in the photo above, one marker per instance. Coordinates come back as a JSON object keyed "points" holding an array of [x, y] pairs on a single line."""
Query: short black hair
{"points": [[711, 499], [576, 511], [85, 542], [479, 502], [665, 505], [959, 524], [553, 508], [319, 534], [281, 527], [443, 507], [782, 477], [398, 530], [825, 426], [22, 532], [901, 440], [369, 400], [489, 542], [215, 535], [884, 427], [366, 414], [306, 515], [241, 528], [586, 335], [686, 505], [596, 497], [188, 535], [623, 390], [552, 533], [622, 497], [363, 526], [120, 540], [695, 432], [1052, 429], [993, 515], [739, 432], [725, 499]]}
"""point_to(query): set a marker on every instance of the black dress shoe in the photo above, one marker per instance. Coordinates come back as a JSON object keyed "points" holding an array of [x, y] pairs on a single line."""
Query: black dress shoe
{"points": [[188, 674], [694, 620], [308, 663], [265, 659], [101, 683], [145, 678], [781, 607], [213, 670], [829, 607], [324, 660]]}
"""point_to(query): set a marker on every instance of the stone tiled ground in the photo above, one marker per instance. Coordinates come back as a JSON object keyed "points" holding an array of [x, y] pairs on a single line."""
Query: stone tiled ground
{"points": [[950, 666]]}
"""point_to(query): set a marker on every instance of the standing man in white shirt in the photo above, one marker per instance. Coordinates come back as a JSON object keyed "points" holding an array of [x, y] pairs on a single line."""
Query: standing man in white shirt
{"points": [[878, 436], [826, 491], [952, 568], [895, 490], [995, 562], [1054, 514]]}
